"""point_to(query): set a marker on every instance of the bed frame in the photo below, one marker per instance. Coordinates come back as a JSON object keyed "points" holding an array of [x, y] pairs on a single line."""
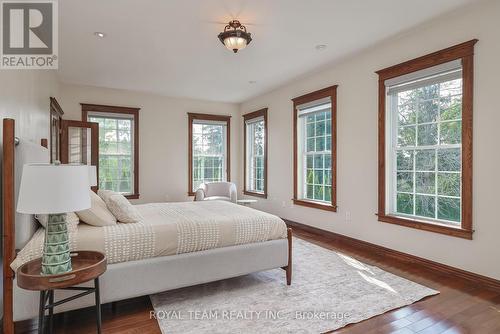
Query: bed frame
{"points": [[144, 276]]}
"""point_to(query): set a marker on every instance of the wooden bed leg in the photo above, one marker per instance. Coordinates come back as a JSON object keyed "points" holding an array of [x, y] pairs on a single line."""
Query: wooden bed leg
{"points": [[288, 268]]}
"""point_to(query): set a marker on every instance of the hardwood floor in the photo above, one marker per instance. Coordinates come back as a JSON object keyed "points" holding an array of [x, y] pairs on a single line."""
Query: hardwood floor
{"points": [[461, 307]]}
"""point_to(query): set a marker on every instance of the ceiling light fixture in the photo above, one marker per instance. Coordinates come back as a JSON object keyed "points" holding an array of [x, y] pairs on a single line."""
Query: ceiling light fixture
{"points": [[235, 36], [320, 47], [100, 34]]}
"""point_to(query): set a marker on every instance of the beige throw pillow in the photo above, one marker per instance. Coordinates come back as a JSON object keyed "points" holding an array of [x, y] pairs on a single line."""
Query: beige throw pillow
{"points": [[98, 214], [106, 194], [122, 209]]}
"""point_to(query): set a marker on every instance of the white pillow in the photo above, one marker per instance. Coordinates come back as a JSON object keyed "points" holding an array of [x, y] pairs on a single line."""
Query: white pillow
{"points": [[98, 214], [71, 218], [123, 210], [106, 194]]}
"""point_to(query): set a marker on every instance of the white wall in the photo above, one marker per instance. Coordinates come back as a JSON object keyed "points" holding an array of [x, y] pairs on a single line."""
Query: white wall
{"points": [[163, 135], [357, 142], [24, 96]]}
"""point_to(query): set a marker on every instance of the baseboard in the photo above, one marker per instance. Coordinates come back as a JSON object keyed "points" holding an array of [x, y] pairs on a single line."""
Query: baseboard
{"points": [[477, 279]]}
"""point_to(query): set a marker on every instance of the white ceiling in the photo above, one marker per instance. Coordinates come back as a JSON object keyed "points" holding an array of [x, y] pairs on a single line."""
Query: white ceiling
{"points": [[170, 47]]}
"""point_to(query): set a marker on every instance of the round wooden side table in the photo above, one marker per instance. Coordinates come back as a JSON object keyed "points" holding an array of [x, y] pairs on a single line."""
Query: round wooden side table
{"points": [[87, 266]]}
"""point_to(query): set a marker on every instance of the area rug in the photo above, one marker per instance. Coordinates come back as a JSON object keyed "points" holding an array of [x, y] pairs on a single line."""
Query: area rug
{"points": [[329, 290]]}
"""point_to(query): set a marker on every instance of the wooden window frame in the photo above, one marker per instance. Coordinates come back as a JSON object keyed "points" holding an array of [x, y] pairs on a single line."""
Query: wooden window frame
{"points": [[207, 117], [86, 108], [465, 53], [319, 94], [56, 115], [248, 117]]}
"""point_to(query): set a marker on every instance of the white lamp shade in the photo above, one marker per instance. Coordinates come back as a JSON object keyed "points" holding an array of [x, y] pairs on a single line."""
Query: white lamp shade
{"points": [[93, 176], [47, 189]]}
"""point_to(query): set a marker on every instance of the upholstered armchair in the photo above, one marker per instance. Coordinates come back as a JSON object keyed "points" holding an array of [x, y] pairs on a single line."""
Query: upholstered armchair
{"points": [[222, 191]]}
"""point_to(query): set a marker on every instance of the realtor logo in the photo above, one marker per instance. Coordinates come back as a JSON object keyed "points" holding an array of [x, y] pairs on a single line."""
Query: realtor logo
{"points": [[29, 35]]}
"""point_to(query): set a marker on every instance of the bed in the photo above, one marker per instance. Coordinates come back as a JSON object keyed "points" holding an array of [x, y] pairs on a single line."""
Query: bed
{"points": [[175, 245]]}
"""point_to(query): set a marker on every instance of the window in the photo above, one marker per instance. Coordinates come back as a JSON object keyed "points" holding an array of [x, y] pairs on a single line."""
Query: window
{"points": [[426, 142], [118, 147], [315, 150], [208, 149], [255, 150]]}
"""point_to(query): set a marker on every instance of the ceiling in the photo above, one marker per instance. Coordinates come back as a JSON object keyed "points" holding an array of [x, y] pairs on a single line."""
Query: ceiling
{"points": [[171, 47]]}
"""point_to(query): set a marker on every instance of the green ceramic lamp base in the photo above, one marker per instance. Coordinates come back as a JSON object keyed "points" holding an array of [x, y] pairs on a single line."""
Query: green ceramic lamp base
{"points": [[56, 257]]}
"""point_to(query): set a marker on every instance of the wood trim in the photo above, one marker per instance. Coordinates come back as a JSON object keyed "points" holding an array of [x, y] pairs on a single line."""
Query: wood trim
{"points": [[475, 279], [207, 117], [86, 108], [425, 226], [315, 205], [246, 117], [56, 114], [319, 94], [458, 51], [8, 226], [464, 52]]}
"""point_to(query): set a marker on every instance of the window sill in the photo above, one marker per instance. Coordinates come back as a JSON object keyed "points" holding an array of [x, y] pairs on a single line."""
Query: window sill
{"points": [[426, 226], [251, 193], [132, 196], [316, 205]]}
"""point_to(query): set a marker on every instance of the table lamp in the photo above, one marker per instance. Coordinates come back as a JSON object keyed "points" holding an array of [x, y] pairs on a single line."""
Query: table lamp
{"points": [[54, 189]]}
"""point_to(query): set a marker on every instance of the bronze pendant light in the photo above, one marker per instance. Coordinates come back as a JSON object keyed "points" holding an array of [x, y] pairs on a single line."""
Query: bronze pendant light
{"points": [[235, 36]]}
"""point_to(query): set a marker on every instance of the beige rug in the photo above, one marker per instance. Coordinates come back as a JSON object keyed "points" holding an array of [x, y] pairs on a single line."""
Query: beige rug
{"points": [[329, 290]]}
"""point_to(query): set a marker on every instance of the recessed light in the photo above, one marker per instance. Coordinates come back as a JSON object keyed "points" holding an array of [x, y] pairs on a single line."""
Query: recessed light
{"points": [[251, 82], [100, 34], [320, 47]]}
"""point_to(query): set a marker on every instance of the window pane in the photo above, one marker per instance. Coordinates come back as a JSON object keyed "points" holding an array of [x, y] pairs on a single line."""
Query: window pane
{"points": [[425, 206], [328, 193], [428, 111], [310, 144], [427, 134], [449, 159], [404, 160], [449, 184], [405, 203], [449, 208], [310, 161], [451, 132], [310, 130], [310, 176], [318, 193], [328, 143], [425, 182], [451, 108], [318, 161], [407, 114], [320, 144], [406, 136], [428, 92], [425, 160], [405, 182]]}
